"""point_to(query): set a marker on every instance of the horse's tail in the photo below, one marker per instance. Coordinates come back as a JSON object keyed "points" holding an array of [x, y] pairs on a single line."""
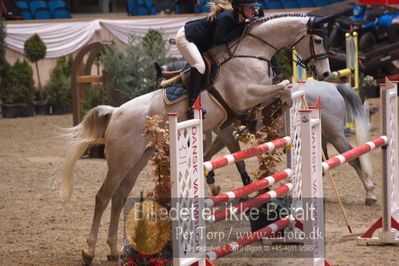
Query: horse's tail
{"points": [[90, 131], [355, 108]]}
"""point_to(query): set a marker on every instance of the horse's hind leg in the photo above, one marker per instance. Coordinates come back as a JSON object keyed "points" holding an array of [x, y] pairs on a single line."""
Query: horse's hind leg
{"points": [[225, 139], [342, 145], [103, 196], [212, 149], [324, 147], [234, 146], [119, 165], [118, 201]]}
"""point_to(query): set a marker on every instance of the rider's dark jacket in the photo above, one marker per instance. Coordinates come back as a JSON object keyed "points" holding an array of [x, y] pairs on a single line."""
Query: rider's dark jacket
{"points": [[205, 33]]}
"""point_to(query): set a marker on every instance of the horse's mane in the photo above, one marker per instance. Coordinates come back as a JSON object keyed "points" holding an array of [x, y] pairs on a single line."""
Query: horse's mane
{"points": [[271, 17]]}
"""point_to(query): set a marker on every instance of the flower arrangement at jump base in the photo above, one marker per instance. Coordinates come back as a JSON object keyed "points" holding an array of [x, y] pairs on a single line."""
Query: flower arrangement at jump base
{"points": [[148, 225], [142, 259], [267, 163], [160, 160]]}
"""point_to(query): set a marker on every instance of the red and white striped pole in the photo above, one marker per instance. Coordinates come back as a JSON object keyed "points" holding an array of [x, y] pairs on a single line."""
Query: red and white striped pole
{"points": [[251, 203], [250, 238], [354, 153], [245, 154], [248, 189]]}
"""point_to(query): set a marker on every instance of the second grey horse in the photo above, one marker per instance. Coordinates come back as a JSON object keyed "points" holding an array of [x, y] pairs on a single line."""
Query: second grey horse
{"points": [[337, 102]]}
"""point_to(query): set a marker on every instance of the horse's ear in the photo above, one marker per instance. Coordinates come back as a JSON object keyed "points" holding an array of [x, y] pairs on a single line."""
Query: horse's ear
{"points": [[323, 20], [318, 22]]}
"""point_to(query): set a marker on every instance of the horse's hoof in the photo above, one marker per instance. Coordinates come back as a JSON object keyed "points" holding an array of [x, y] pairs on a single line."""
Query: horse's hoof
{"points": [[112, 257], [87, 259], [216, 190], [243, 199], [371, 202]]}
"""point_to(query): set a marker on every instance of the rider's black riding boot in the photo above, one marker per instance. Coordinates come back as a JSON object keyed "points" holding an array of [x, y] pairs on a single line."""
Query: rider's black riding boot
{"points": [[194, 90]]}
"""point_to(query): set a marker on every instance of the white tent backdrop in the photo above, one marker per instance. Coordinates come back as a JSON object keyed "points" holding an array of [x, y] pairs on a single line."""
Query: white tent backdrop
{"points": [[63, 38]]}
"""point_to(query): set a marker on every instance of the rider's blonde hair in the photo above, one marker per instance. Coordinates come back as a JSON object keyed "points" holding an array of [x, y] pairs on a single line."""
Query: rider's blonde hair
{"points": [[218, 6]]}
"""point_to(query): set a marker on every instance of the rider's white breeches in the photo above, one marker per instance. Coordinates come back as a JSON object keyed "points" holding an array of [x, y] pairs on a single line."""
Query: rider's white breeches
{"points": [[190, 51]]}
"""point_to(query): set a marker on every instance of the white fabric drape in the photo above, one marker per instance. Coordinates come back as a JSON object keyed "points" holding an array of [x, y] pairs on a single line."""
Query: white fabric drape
{"points": [[63, 38], [121, 29]]}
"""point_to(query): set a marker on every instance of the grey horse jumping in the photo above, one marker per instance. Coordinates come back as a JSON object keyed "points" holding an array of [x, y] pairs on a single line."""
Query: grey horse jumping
{"points": [[242, 84]]}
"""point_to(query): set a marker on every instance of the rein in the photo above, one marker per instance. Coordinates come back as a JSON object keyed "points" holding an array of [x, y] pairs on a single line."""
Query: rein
{"points": [[297, 60], [235, 45]]}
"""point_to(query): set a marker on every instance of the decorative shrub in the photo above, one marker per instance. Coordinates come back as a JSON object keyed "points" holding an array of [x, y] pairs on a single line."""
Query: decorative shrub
{"points": [[59, 89], [155, 46], [283, 58], [158, 133], [35, 50], [119, 83], [92, 97], [131, 73], [17, 85], [3, 61]]}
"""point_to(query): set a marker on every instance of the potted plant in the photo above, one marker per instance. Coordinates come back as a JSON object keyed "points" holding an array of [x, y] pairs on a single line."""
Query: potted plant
{"points": [[35, 50], [58, 90], [17, 90], [368, 87], [3, 62]]}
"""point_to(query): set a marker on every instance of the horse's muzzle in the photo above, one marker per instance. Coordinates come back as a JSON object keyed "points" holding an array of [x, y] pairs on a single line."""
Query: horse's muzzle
{"points": [[325, 75]]}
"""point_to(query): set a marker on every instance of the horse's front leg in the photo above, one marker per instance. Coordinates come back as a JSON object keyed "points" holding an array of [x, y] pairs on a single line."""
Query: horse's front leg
{"points": [[266, 94], [226, 137], [211, 149]]}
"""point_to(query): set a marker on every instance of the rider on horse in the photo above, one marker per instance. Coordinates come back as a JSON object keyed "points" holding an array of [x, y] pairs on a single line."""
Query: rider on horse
{"points": [[224, 24]]}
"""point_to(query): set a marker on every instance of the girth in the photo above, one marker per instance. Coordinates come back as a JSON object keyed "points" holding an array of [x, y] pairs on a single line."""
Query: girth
{"points": [[231, 115]]}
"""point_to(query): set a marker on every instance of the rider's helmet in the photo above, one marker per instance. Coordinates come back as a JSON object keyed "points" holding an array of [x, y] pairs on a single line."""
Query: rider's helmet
{"points": [[253, 3], [358, 11]]}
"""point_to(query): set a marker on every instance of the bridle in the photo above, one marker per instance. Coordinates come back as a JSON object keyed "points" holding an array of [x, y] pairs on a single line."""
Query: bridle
{"points": [[302, 62], [313, 55]]}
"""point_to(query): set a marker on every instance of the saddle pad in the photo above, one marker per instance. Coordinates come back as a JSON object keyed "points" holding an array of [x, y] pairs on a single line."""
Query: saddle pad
{"points": [[174, 93]]}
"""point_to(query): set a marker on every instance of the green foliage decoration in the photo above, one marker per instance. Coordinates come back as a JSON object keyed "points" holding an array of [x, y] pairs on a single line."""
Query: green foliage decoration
{"points": [[119, 75], [158, 132], [3, 62], [18, 84], [92, 97], [35, 50], [155, 46], [131, 73], [283, 58], [59, 89]]}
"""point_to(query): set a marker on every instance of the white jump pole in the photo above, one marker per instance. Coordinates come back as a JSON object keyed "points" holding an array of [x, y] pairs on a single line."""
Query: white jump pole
{"points": [[387, 225], [187, 176], [312, 185]]}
